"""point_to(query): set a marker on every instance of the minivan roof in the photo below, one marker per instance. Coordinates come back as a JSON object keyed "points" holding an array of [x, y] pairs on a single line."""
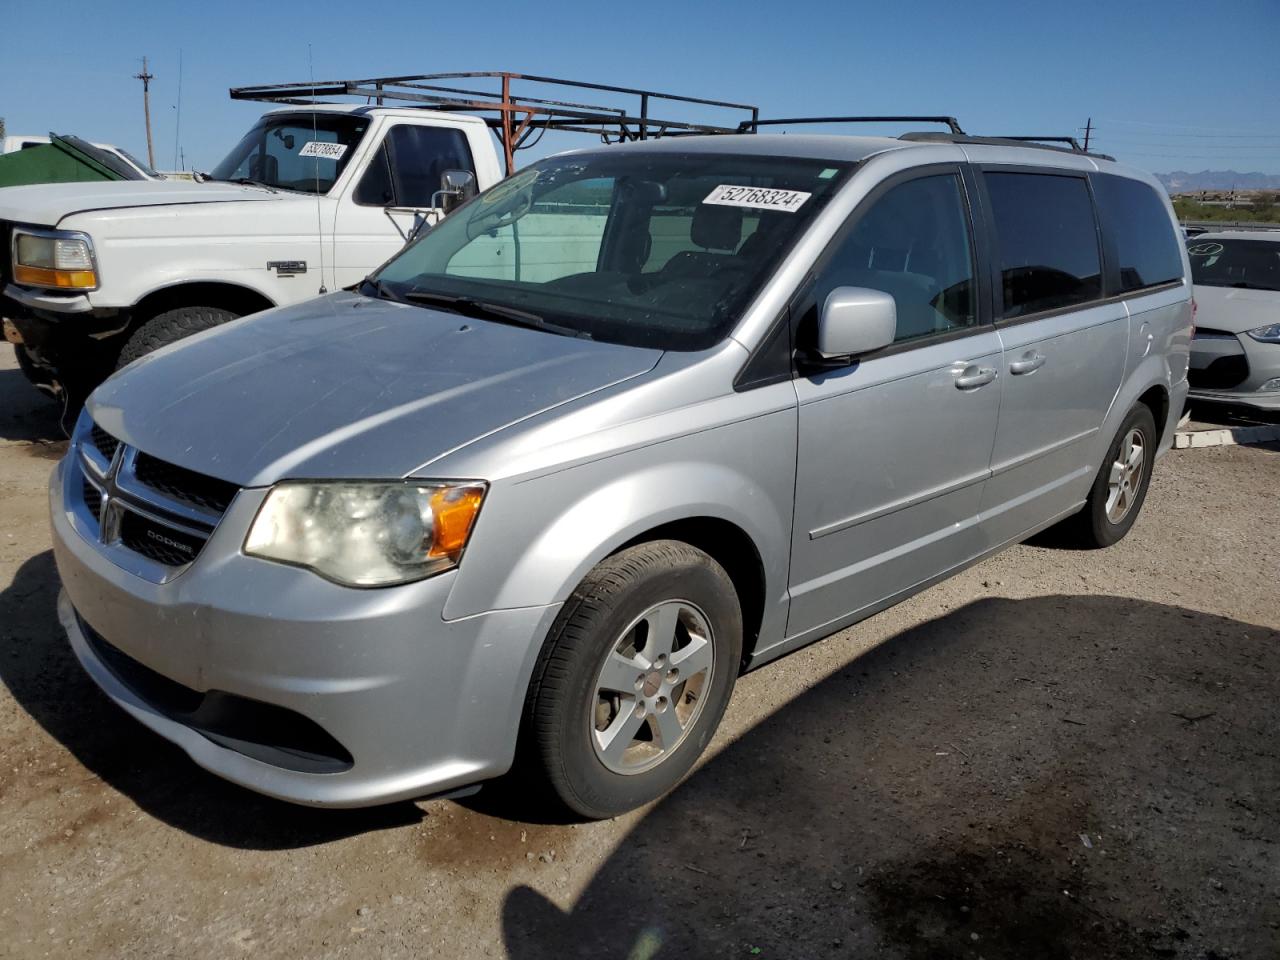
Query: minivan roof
{"points": [[853, 149]]}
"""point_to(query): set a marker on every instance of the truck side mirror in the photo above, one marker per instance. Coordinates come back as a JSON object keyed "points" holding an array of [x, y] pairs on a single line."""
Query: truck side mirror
{"points": [[854, 321], [456, 188]]}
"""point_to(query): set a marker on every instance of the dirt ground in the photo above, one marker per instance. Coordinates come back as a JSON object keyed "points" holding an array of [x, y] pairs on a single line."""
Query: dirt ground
{"points": [[1057, 754]]}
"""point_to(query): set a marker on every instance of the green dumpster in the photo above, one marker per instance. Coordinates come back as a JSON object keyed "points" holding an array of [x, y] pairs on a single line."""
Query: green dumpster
{"points": [[64, 160]]}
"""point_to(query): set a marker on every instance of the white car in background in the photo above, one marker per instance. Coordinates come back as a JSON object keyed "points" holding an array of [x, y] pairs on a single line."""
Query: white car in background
{"points": [[1235, 355]]}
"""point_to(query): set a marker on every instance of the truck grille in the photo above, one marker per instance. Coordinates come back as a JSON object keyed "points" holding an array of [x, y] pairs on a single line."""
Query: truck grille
{"points": [[153, 509], [6, 270]]}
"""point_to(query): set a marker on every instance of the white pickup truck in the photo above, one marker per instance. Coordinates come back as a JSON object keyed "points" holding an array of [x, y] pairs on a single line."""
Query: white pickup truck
{"points": [[93, 275]]}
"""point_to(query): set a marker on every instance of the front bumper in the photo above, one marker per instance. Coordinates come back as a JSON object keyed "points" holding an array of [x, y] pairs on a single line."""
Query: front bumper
{"points": [[1253, 362], [421, 705]]}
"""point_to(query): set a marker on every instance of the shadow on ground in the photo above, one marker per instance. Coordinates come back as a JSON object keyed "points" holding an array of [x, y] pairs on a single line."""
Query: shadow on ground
{"points": [[28, 415], [43, 675], [1061, 777]]}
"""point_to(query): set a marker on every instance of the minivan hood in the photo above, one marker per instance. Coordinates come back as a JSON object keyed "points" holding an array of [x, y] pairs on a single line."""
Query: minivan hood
{"points": [[47, 203], [1235, 309], [346, 387]]}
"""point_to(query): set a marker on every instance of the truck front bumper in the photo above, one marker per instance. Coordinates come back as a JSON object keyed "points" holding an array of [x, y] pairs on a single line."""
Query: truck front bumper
{"points": [[290, 685]]}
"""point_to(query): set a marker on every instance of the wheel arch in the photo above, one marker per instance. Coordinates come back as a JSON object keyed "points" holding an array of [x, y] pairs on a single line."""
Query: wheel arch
{"points": [[237, 298], [731, 547]]}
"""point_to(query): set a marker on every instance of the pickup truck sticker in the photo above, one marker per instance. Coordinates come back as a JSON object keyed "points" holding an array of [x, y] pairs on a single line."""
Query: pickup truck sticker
{"points": [[326, 151], [757, 198]]}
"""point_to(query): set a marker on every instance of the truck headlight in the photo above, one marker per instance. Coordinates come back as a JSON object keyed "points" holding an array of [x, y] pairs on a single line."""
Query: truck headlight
{"points": [[55, 259], [367, 534], [1267, 334]]}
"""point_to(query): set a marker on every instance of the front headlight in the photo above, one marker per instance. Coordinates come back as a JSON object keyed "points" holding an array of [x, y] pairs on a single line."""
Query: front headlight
{"points": [[367, 534], [1267, 334], [55, 259]]}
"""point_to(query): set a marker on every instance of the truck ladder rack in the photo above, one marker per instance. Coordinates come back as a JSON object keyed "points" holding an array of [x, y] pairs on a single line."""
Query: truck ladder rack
{"points": [[513, 118]]}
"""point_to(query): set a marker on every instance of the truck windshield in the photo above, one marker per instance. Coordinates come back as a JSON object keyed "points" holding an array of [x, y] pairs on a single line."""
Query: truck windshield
{"points": [[655, 249], [305, 152], [1254, 264]]}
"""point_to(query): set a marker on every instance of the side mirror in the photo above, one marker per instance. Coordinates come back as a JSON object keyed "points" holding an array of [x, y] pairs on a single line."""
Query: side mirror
{"points": [[856, 320], [456, 188]]}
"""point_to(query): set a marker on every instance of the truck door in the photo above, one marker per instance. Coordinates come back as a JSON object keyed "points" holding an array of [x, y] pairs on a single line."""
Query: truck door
{"points": [[394, 193]]}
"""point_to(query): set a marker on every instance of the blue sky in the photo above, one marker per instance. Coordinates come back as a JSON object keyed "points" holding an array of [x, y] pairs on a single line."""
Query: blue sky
{"points": [[1170, 85]]}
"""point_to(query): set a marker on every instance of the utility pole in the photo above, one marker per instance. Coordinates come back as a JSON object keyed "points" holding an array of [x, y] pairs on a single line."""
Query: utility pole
{"points": [[1088, 131], [146, 79]]}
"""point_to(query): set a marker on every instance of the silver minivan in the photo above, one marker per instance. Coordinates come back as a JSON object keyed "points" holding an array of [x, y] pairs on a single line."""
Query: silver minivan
{"points": [[628, 423]]}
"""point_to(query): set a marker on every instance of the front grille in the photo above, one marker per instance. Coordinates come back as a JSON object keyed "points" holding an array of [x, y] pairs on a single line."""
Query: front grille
{"points": [[92, 499], [158, 541], [1223, 374], [186, 486], [6, 270], [157, 510], [103, 442], [263, 731]]}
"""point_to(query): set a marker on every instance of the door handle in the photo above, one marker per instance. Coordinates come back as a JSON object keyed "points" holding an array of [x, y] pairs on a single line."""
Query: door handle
{"points": [[1030, 362], [972, 377]]}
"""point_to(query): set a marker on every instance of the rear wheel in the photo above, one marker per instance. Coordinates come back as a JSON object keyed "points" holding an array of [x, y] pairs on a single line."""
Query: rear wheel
{"points": [[170, 327], [1120, 487], [634, 678]]}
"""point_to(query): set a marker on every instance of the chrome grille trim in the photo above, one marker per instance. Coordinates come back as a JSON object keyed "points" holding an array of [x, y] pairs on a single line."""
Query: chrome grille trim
{"points": [[109, 490]]}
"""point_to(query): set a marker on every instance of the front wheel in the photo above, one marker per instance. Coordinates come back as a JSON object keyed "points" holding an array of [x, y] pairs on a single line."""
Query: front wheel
{"points": [[1120, 487], [170, 327], [634, 678]]}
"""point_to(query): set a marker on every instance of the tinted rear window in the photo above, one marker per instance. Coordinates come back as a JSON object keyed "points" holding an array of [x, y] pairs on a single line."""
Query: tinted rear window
{"points": [[1047, 241], [1135, 220]]}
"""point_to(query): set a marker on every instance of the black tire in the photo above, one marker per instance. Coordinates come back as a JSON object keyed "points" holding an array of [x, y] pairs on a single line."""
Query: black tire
{"points": [[170, 327], [1091, 527], [563, 707]]}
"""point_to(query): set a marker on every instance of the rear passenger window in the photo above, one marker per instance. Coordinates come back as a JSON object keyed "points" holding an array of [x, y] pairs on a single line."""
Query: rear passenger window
{"points": [[1136, 222], [1046, 241], [914, 244]]}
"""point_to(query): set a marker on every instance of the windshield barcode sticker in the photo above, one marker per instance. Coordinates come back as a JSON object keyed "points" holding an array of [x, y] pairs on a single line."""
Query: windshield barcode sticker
{"points": [[327, 151], [757, 198]]}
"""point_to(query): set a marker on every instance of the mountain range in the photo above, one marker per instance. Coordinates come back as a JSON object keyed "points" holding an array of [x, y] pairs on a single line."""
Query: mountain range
{"points": [[1180, 181]]}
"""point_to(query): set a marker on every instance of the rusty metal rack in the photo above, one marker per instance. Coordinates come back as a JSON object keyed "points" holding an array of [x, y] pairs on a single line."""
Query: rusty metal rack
{"points": [[515, 119]]}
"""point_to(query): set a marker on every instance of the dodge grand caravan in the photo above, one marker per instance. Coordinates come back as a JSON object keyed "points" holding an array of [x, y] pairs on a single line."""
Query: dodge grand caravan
{"points": [[627, 423]]}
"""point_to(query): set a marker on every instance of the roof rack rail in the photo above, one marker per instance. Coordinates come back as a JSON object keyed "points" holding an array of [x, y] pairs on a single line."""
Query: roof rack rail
{"points": [[755, 123], [515, 119], [1061, 144]]}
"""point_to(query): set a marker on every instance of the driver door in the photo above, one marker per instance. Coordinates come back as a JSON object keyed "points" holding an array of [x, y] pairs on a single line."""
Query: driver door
{"points": [[393, 196]]}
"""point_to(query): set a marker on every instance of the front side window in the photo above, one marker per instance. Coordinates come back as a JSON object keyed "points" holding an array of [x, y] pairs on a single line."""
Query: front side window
{"points": [[914, 244], [306, 152], [641, 247], [1141, 232], [405, 171], [1249, 264], [1046, 241]]}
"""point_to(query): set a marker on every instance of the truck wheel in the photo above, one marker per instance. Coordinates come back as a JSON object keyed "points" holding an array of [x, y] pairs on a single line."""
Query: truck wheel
{"points": [[1121, 484], [634, 678], [170, 327]]}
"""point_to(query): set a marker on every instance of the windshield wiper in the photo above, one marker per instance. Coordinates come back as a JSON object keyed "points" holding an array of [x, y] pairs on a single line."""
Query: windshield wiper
{"points": [[484, 310], [380, 290], [248, 182]]}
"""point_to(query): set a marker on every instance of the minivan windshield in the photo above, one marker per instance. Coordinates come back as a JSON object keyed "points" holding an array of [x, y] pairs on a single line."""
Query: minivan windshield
{"points": [[1252, 264], [305, 152], [646, 248]]}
